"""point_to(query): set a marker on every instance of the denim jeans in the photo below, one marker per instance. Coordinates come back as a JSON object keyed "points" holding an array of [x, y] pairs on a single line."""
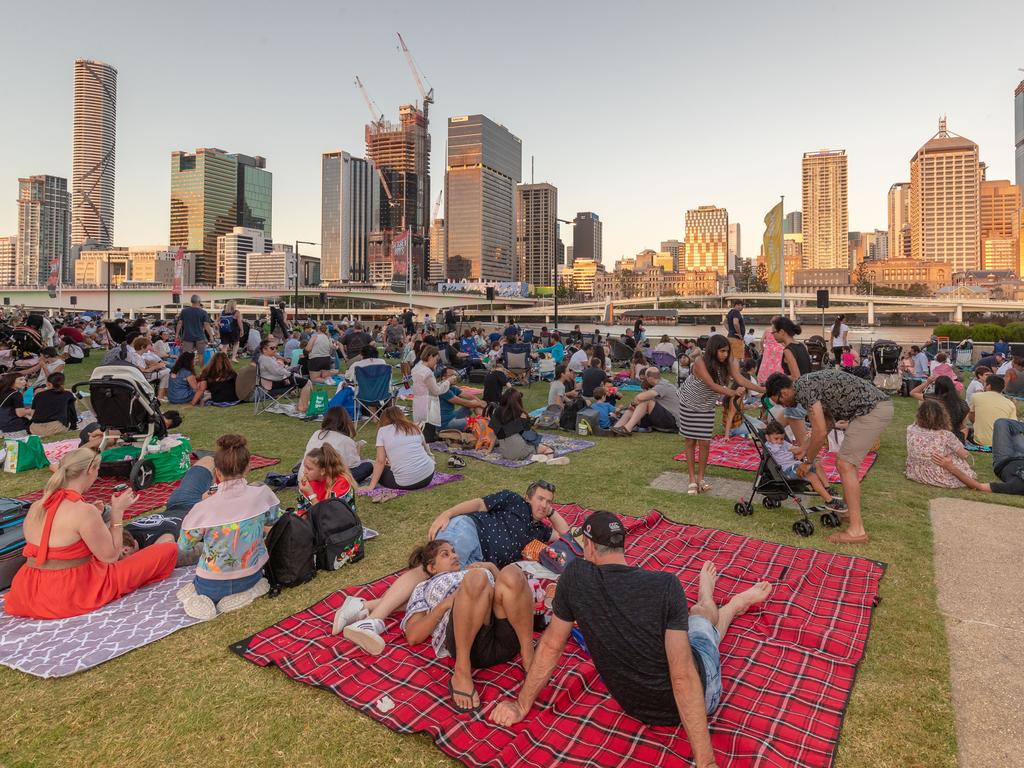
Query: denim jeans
{"points": [[461, 532], [216, 589], [704, 640], [189, 492], [1007, 442]]}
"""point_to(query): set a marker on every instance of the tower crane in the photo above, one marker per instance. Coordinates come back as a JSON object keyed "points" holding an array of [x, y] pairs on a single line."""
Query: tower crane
{"points": [[437, 207], [427, 96], [376, 116]]}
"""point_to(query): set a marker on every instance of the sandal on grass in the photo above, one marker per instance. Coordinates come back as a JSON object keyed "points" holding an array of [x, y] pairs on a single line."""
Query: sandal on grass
{"points": [[704, 487], [845, 538], [692, 489]]}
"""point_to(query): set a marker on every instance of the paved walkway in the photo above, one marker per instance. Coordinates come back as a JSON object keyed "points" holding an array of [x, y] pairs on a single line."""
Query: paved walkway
{"points": [[980, 578]]}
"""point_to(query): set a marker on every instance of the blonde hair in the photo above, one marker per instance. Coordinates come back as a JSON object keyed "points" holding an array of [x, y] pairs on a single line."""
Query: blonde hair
{"points": [[230, 306], [72, 466], [332, 464]]}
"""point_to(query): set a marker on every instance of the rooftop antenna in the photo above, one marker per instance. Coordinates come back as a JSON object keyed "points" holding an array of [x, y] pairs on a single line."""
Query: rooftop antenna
{"points": [[531, 169]]}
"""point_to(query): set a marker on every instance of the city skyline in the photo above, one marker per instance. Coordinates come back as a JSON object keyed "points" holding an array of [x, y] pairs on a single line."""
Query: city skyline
{"points": [[741, 165]]}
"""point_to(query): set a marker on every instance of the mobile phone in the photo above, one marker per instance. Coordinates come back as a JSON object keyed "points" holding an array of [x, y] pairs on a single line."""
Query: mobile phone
{"points": [[120, 487], [213, 488]]}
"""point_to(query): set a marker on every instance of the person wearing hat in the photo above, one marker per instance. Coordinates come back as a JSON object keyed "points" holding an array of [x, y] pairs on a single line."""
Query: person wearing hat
{"points": [[659, 661]]}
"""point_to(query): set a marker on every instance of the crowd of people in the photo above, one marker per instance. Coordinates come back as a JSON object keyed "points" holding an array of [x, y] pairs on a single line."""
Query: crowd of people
{"points": [[463, 591]]}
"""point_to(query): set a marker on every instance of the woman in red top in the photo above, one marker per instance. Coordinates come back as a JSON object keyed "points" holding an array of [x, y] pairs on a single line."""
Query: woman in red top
{"points": [[325, 474], [73, 565]]}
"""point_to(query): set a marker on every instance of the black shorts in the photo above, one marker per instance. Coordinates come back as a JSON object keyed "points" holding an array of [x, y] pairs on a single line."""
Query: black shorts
{"points": [[231, 337], [660, 419], [319, 364], [495, 643]]}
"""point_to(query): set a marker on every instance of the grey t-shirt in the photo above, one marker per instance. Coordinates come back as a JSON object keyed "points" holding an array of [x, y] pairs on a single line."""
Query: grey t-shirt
{"points": [[193, 320], [555, 392]]}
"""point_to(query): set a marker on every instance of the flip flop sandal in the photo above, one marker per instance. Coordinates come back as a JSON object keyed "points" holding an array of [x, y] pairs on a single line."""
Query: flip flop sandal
{"points": [[452, 693], [844, 538], [705, 487], [388, 495], [456, 462]]}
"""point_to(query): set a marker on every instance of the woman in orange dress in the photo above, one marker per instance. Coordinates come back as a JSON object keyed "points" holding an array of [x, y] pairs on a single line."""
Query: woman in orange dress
{"points": [[73, 566]]}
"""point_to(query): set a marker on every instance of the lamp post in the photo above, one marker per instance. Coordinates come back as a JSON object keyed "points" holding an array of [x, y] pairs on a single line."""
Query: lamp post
{"points": [[108, 285], [297, 262]]}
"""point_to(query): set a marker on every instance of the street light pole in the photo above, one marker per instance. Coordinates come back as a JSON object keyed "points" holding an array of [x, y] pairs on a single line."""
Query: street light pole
{"points": [[297, 262], [108, 286]]}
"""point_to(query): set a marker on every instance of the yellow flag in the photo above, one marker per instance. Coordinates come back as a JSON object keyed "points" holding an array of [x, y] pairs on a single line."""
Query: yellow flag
{"points": [[773, 248]]}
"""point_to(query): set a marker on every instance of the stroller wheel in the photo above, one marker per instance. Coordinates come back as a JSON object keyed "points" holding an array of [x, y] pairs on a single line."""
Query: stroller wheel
{"points": [[831, 520], [142, 474], [770, 503], [744, 509], [803, 527]]}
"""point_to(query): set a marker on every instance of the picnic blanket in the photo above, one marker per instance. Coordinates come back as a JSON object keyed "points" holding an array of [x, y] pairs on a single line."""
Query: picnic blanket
{"points": [[978, 448], [153, 497], [58, 450], [788, 666], [740, 453], [61, 647], [560, 444], [440, 478]]}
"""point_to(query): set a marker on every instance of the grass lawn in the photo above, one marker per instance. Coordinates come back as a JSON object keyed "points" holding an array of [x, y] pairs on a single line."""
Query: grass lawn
{"points": [[187, 700]]}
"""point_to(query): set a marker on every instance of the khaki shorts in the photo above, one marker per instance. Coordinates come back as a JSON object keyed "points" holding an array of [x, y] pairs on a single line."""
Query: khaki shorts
{"points": [[47, 428], [864, 431], [737, 347]]}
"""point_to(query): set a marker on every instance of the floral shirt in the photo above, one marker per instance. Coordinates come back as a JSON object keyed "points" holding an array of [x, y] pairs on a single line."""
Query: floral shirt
{"points": [[842, 395], [921, 444], [431, 593]]}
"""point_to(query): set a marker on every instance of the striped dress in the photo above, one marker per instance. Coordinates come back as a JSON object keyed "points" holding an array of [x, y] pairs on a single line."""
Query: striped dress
{"points": [[696, 409]]}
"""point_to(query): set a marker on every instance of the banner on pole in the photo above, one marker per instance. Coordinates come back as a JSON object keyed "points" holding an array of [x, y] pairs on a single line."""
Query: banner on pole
{"points": [[401, 262], [179, 267], [773, 248]]}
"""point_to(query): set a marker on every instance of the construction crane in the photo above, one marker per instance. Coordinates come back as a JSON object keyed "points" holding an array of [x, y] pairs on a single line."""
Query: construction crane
{"points": [[427, 96], [437, 207], [376, 116]]}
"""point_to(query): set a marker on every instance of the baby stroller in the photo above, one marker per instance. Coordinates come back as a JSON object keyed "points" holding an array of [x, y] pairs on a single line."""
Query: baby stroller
{"points": [[816, 350], [123, 400], [885, 357], [774, 487], [26, 342]]}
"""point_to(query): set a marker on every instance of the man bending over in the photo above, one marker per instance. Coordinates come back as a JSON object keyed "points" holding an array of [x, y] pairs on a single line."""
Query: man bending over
{"points": [[658, 661]]}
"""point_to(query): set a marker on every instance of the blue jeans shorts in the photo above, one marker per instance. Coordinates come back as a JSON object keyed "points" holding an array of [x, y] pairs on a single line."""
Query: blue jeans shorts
{"points": [[795, 412], [704, 639], [461, 532], [215, 589], [792, 475], [189, 492]]}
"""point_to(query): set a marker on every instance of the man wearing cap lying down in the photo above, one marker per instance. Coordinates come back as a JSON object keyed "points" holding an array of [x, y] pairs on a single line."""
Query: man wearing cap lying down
{"points": [[659, 661]]}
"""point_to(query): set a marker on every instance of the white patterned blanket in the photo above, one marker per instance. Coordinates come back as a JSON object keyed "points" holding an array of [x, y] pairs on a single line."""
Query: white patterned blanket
{"points": [[62, 647]]}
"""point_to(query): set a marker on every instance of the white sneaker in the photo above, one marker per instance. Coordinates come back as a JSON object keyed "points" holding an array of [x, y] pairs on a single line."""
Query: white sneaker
{"points": [[560, 461], [199, 607], [542, 458], [367, 635], [189, 590], [242, 599], [351, 611]]}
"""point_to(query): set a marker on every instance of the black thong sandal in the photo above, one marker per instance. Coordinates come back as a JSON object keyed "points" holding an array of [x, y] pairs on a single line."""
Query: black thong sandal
{"points": [[452, 693]]}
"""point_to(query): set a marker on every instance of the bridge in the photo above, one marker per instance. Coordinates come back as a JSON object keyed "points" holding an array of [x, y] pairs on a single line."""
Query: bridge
{"points": [[253, 298]]}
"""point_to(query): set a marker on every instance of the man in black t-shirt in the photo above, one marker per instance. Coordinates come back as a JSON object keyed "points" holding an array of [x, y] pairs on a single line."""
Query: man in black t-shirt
{"points": [[1007, 460], [659, 661]]}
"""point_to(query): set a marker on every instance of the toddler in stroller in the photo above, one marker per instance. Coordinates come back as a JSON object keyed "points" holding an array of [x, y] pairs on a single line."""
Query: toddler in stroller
{"points": [[796, 469]]}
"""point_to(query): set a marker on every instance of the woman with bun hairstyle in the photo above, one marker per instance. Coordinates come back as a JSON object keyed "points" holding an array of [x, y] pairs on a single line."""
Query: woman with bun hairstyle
{"points": [[795, 360], [72, 548], [229, 524]]}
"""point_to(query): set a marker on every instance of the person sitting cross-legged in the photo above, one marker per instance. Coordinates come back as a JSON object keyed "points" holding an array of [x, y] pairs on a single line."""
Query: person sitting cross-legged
{"points": [[658, 660], [654, 408], [478, 614]]}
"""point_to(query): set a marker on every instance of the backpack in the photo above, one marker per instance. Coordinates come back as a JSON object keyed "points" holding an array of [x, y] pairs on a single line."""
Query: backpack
{"points": [[557, 555], [588, 422], [567, 421], [290, 545], [338, 534], [480, 428], [227, 323], [549, 419]]}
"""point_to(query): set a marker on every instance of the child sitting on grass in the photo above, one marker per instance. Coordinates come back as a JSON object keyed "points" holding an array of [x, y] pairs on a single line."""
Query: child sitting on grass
{"points": [[606, 413], [795, 469]]}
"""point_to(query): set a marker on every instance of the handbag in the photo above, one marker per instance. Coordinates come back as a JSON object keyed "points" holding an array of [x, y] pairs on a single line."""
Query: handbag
{"points": [[24, 453]]}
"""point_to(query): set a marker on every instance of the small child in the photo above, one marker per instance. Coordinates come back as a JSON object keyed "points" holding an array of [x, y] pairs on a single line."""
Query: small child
{"points": [[325, 475], [795, 469], [849, 359], [605, 410]]}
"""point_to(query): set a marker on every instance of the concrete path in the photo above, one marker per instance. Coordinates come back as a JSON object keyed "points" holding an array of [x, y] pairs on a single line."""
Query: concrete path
{"points": [[980, 578]]}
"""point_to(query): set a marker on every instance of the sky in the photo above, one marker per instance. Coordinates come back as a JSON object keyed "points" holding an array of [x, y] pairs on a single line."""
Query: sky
{"points": [[637, 111]]}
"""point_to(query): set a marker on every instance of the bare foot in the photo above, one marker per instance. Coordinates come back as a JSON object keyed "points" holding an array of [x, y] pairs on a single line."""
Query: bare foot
{"points": [[758, 593], [708, 579], [464, 694]]}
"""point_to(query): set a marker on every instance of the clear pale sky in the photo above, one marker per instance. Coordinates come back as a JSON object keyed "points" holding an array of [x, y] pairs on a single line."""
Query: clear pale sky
{"points": [[637, 111]]}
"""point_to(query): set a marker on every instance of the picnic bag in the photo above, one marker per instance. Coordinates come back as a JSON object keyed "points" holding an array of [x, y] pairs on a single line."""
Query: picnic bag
{"points": [[567, 421], [318, 402], [290, 546], [549, 419], [588, 422], [337, 533], [24, 453], [484, 437], [12, 538], [557, 555]]}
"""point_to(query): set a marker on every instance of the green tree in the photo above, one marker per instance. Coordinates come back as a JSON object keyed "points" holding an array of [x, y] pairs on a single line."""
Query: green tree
{"points": [[747, 276], [918, 289], [760, 283], [860, 279]]}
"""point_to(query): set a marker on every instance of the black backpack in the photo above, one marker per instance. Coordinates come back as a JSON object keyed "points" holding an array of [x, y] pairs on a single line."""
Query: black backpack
{"points": [[338, 534], [291, 545], [567, 420]]}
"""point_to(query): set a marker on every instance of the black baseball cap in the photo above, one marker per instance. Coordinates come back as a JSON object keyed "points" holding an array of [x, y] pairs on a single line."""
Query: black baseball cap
{"points": [[605, 529]]}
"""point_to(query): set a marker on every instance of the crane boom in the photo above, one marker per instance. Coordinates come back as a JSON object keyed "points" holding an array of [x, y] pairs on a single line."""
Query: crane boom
{"points": [[428, 96], [376, 116], [437, 206]]}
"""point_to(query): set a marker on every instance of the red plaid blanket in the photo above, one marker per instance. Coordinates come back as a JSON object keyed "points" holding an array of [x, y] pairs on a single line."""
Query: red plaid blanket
{"points": [[153, 497], [787, 667], [740, 453]]}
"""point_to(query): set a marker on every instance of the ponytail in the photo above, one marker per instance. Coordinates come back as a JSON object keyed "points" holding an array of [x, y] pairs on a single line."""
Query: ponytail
{"points": [[72, 466], [332, 465]]}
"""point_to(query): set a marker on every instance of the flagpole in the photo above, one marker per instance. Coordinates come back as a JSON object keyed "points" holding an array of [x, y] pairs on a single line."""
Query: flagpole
{"points": [[782, 260]]}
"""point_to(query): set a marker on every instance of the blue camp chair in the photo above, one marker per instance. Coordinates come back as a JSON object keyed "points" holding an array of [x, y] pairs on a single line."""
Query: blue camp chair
{"points": [[516, 360], [374, 392]]}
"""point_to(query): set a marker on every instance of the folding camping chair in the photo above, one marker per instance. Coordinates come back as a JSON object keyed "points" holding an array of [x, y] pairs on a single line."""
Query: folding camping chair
{"points": [[517, 362], [374, 392], [264, 398]]}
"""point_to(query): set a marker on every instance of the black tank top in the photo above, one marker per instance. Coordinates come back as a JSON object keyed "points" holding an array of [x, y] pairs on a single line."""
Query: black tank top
{"points": [[803, 360]]}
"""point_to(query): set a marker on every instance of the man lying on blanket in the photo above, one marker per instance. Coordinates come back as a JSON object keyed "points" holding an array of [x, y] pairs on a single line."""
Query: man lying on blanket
{"points": [[659, 661], [1007, 460]]}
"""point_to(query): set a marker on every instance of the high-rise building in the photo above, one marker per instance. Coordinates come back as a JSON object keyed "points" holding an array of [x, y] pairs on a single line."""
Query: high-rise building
{"points": [[707, 239], [1018, 131], [793, 223], [233, 250], [586, 236], [899, 220], [878, 249], [825, 221], [44, 228], [581, 275], [437, 268], [664, 261], [212, 192], [945, 181], [568, 255], [92, 164], [276, 266], [484, 166], [676, 249], [733, 251], [1000, 225], [536, 232], [350, 210], [8, 259]]}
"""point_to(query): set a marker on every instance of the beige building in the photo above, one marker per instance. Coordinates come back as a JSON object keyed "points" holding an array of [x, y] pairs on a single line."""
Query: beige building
{"points": [[903, 273], [945, 181], [645, 259], [153, 264], [1000, 225], [536, 232], [581, 275], [8, 259], [825, 213], [437, 268], [899, 220], [655, 282], [706, 243], [821, 278], [665, 260], [233, 250]]}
